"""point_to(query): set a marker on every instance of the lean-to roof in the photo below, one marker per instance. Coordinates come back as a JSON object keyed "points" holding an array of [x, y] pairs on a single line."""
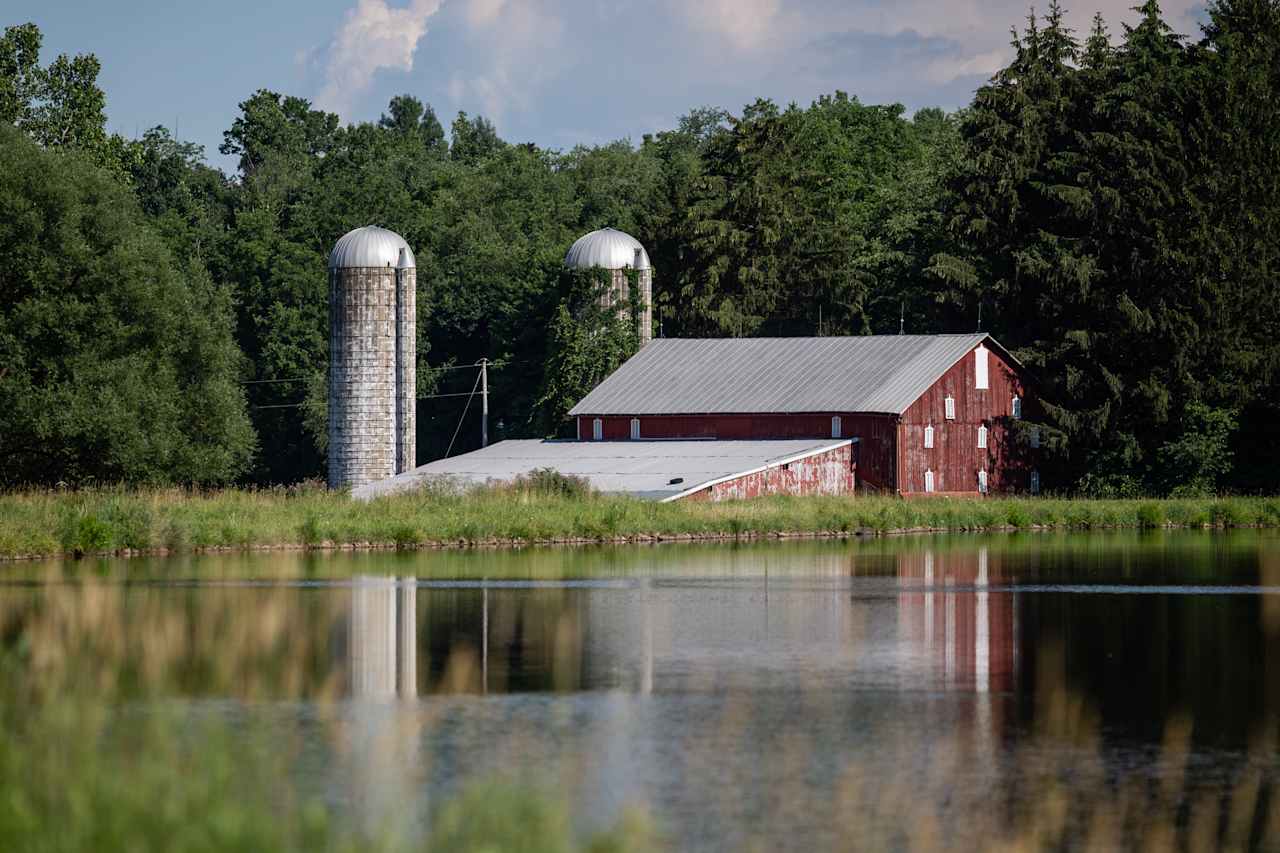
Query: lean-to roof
{"points": [[643, 469]]}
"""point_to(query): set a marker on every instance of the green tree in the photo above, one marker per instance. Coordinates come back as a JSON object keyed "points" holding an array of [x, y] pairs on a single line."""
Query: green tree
{"points": [[59, 106], [1195, 463], [409, 116], [474, 139], [784, 214], [21, 77], [1086, 200], [117, 364], [586, 341]]}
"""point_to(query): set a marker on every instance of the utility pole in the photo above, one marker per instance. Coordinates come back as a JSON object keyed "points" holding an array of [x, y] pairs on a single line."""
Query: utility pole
{"points": [[484, 402]]}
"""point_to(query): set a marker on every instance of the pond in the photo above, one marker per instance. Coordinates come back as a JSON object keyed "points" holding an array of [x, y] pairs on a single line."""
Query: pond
{"points": [[786, 695]]}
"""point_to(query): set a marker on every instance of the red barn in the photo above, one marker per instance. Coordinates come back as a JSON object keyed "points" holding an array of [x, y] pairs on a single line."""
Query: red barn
{"points": [[928, 414]]}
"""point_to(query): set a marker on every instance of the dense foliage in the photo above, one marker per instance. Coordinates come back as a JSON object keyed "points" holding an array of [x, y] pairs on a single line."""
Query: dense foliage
{"points": [[1109, 207], [117, 359]]}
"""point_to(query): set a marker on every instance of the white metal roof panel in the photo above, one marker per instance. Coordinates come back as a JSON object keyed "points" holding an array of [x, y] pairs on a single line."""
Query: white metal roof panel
{"points": [[644, 469], [873, 373], [371, 246], [608, 248]]}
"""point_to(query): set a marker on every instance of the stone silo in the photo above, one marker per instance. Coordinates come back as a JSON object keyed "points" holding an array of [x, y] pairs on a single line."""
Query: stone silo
{"points": [[617, 252], [372, 357]]}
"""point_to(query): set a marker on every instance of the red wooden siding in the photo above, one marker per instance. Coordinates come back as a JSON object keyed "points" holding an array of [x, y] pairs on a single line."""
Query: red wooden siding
{"points": [[829, 473], [876, 434], [956, 458], [890, 454]]}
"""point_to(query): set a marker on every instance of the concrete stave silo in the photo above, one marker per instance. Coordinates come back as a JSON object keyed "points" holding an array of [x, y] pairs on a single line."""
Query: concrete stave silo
{"points": [[372, 356], [617, 251]]}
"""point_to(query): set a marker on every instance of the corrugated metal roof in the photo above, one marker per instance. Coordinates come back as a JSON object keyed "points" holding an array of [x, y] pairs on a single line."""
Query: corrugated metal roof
{"points": [[640, 468], [608, 248], [371, 246], [876, 373]]}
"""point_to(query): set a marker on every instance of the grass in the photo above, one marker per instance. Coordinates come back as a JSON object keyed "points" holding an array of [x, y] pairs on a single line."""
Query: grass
{"points": [[48, 523]]}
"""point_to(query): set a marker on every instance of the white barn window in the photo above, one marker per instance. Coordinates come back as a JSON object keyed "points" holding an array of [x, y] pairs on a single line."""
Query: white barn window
{"points": [[1015, 407], [835, 427], [950, 406], [980, 367], [928, 481], [1035, 437], [597, 430], [982, 482], [1035, 482], [928, 437], [982, 437], [635, 429]]}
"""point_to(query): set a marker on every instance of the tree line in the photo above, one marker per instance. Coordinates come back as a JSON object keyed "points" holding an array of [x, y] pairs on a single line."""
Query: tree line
{"points": [[1107, 206]]}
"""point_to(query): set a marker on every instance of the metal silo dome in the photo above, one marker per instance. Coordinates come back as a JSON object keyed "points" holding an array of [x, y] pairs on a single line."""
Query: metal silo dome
{"points": [[370, 246], [608, 248]]}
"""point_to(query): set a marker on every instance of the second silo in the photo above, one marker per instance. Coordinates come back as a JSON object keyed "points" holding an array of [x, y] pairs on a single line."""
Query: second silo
{"points": [[617, 251], [372, 357]]}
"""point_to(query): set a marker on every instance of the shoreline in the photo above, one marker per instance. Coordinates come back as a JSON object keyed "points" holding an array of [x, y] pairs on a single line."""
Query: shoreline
{"points": [[503, 543]]}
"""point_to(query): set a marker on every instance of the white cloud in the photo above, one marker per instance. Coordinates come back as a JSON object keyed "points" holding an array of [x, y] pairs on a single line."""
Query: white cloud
{"points": [[374, 36], [744, 23], [482, 13], [521, 42]]}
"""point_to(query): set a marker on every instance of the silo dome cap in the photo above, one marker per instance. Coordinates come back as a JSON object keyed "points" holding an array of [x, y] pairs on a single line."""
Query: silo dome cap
{"points": [[608, 248], [371, 246]]}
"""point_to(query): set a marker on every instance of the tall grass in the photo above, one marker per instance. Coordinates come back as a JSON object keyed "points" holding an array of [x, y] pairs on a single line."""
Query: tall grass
{"points": [[95, 755], [83, 768], [99, 521]]}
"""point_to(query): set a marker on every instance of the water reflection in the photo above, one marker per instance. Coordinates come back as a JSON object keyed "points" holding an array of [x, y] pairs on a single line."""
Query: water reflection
{"points": [[383, 638], [738, 690], [948, 609]]}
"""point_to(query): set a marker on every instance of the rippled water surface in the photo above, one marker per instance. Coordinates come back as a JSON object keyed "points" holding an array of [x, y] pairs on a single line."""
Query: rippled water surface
{"points": [[786, 695]]}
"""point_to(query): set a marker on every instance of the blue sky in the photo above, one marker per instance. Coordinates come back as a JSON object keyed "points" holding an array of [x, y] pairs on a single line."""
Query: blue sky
{"points": [[555, 72]]}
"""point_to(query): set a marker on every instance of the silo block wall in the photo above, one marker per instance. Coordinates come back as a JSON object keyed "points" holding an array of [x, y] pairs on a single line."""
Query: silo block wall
{"points": [[362, 375], [406, 370]]}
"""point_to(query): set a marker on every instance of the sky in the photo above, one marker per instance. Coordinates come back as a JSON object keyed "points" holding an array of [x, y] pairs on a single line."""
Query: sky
{"points": [[554, 72]]}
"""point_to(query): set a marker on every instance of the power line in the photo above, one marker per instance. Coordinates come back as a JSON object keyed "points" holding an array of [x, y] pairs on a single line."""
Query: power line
{"points": [[463, 418], [493, 365], [272, 381]]}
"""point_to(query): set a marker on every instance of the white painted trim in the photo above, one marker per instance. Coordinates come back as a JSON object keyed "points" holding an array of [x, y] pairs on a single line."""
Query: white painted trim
{"points": [[776, 463]]}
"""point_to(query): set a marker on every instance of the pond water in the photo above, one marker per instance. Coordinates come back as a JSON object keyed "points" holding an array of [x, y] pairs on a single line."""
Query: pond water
{"points": [[793, 695]]}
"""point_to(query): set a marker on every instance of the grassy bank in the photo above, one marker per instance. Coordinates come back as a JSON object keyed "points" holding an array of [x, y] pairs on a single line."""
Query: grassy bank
{"points": [[106, 521]]}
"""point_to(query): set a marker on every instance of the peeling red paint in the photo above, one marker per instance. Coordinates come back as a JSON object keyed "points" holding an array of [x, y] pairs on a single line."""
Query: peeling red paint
{"points": [[830, 472], [955, 458]]}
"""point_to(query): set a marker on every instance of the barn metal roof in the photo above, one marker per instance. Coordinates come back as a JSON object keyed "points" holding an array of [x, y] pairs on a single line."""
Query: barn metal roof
{"points": [[608, 248], [873, 373], [371, 246], [643, 469]]}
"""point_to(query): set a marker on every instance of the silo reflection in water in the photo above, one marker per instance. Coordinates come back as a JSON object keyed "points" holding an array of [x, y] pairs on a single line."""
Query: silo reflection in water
{"points": [[382, 638]]}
